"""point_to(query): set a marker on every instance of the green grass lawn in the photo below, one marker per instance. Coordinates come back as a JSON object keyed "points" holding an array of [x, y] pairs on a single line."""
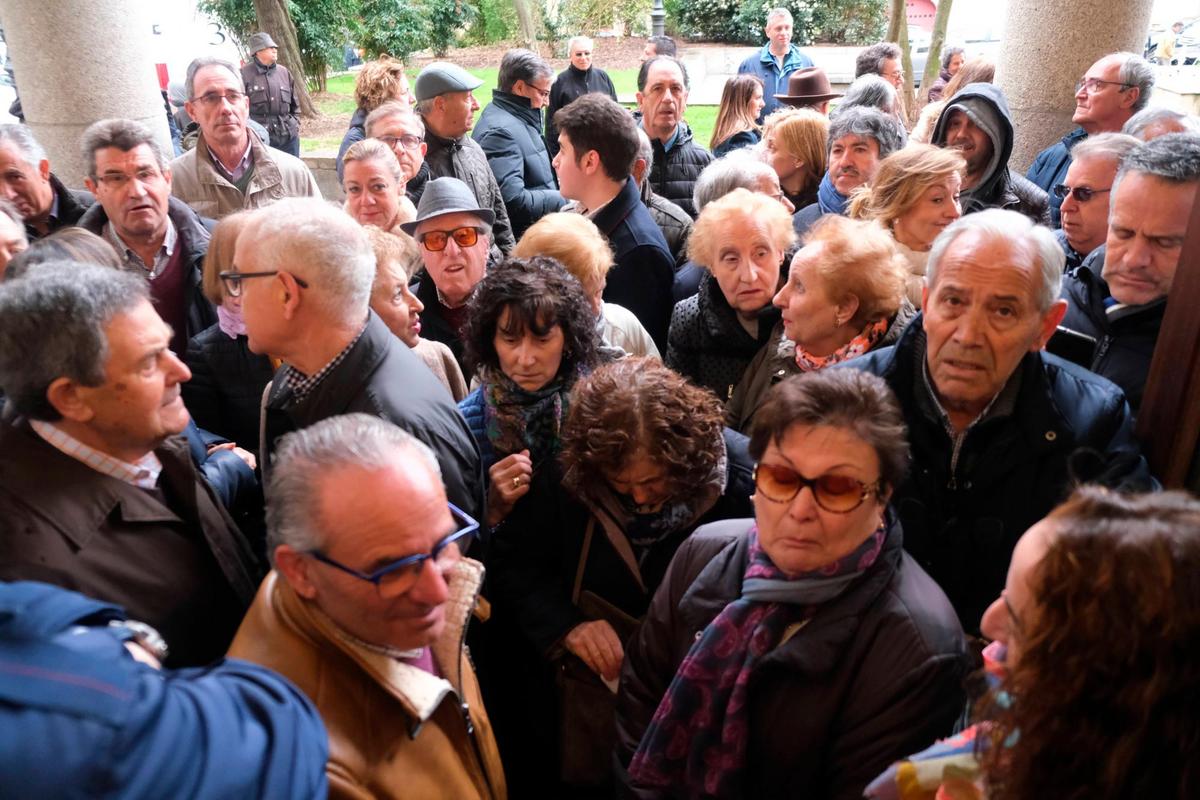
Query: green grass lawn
{"points": [[339, 102]]}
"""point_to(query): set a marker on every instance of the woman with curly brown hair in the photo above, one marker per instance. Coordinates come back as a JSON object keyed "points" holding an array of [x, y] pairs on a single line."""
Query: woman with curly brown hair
{"points": [[528, 338], [1094, 662], [378, 82], [645, 460]]}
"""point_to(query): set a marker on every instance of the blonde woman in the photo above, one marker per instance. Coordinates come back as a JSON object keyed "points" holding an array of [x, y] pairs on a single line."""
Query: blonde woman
{"points": [[575, 242], [377, 83], [741, 103], [795, 149], [374, 185], [915, 196]]}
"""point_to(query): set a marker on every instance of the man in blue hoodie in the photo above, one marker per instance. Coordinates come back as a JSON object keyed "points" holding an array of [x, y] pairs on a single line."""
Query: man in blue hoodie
{"points": [[777, 59]]}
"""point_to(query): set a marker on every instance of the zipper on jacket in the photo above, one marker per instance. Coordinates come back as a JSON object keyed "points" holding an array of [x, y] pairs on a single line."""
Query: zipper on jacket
{"points": [[1101, 351]]}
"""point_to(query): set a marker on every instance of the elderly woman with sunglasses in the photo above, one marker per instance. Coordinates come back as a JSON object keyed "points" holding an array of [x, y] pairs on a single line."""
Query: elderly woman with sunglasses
{"points": [[795, 654]]}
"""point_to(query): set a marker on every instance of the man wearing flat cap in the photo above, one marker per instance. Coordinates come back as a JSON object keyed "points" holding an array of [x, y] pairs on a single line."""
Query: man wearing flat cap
{"points": [[809, 88], [452, 230], [447, 105], [272, 94]]}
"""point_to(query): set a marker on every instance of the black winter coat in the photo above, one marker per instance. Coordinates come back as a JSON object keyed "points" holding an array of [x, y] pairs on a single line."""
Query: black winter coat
{"points": [[72, 204], [355, 133], [1001, 188], [1050, 169], [434, 324], [225, 393], [643, 270], [536, 552], [1124, 340], [464, 159], [875, 675], [674, 173], [708, 345], [964, 508], [510, 132], [569, 85], [381, 376]]}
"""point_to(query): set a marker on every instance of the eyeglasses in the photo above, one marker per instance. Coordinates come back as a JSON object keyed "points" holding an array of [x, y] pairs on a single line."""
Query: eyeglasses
{"points": [[838, 494], [232, 281], [401, 576], [1094, 85], [435, 241], [544, 93], [408, 141], [215, 98], [119, 180], [1082, 193]]}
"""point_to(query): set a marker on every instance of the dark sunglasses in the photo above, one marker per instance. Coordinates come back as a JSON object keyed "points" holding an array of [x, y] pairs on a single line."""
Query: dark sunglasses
{"points": [[1082, 193], [838, 494], [435, 241]]}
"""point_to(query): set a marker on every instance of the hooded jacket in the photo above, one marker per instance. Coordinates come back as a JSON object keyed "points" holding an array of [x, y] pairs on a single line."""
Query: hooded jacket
{"points": [[984, 103]]}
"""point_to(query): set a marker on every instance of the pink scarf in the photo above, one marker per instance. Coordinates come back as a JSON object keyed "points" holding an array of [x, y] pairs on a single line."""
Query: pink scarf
{"points": [[231, 322], [863, 342]]}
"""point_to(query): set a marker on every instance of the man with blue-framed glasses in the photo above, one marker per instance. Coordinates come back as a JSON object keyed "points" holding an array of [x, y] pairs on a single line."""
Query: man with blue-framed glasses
{"points": [[366, 611]]}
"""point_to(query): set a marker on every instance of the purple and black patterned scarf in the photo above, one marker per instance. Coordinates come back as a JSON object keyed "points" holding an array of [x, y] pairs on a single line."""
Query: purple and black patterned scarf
{"points": [[697, 738]]}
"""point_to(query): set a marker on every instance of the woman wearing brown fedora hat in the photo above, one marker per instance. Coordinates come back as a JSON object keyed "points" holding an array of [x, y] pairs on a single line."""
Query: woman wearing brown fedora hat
{"points": [[741, 103]]}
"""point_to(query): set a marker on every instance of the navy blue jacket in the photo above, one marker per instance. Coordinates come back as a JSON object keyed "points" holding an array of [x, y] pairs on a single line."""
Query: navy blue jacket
{"points": [[471, 407], [643, 270], [963, 513], [1124, 340], [80, 718], [1050, 169], [510, 132], [763, 66]]}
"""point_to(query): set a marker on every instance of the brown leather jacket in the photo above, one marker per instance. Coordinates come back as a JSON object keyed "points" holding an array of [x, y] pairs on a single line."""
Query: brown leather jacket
{"points": [[394, 729]]}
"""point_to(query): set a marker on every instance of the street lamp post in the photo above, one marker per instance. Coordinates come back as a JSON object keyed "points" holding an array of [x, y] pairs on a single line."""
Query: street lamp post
{"points": [[657, 14]]}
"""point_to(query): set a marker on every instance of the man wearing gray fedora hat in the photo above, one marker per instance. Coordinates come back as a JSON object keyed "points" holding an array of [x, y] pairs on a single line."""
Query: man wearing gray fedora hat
{"points": [[809, 88], [272, 93], [452, 230], [447, 106]]}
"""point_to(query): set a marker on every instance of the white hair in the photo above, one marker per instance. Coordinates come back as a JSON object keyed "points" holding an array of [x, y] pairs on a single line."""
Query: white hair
{"points": [[779, 13], [580, 38], [320, 244], [1008, 226], [302, 458]]}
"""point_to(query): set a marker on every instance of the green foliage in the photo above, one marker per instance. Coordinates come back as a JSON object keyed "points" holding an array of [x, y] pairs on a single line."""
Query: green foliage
{"points": [[445, 18], [497, 22], [742, 21], [391, 27]]}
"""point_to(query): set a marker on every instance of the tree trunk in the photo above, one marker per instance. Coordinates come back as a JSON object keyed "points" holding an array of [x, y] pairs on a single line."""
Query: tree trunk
{"points": [[273, 18], [898, 33], [933, 64], [528, 29]]}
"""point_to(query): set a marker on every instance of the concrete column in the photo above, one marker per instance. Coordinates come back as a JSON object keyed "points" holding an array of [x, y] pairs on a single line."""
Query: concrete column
{"points": [[1048, 45], [79, 61]]}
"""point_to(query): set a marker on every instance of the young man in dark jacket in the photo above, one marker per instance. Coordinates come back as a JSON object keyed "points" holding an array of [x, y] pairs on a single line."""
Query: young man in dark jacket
{"points": [[678, 160], [1000, 430], [978, 124], [598, 145], [510, 132]]}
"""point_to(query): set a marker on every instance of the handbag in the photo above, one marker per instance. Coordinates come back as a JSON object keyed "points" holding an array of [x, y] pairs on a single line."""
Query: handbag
{"points": [[586, 706]]}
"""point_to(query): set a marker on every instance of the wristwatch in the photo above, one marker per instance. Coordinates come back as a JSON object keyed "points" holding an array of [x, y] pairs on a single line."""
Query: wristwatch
{"points": [[145, 636]]}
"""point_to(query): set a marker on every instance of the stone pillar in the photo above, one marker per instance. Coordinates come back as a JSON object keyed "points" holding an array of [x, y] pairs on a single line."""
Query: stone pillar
{"points": [[79, 61], [1048, 45]]}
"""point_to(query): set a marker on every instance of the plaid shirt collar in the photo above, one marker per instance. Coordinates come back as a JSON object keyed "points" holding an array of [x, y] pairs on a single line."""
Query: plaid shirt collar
{"points": [[142, 474], [301, 385]]}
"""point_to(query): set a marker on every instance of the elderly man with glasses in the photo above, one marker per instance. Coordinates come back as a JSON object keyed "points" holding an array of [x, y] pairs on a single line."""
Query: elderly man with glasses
{"points": [[454, 235], [229, 169], [1085, 194], [304, 271], [366, 611], [1111, 91]]}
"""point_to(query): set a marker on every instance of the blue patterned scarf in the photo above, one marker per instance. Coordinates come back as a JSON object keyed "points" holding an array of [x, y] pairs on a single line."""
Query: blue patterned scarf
{"points": [[697, 738], [830, 200]]}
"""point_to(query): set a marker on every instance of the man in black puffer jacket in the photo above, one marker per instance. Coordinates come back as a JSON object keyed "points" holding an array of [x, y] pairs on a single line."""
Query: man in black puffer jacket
{"points": [[978, 124], [678, 160], [1000, 430], [510, 132]]}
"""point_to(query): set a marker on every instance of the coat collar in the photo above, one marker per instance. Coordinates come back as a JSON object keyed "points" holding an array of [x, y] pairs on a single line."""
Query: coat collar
{"points": [[266, 171], [416, 690], [613, 214], [343, 382], [518, 106]]}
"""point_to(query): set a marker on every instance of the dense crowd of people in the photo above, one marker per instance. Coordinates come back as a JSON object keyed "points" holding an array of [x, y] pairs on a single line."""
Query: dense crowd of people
{"points": [[567, 457]]}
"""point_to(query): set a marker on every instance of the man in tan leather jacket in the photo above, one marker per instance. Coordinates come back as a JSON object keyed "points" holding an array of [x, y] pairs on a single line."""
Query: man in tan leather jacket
{"points": [[366, 611]]}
